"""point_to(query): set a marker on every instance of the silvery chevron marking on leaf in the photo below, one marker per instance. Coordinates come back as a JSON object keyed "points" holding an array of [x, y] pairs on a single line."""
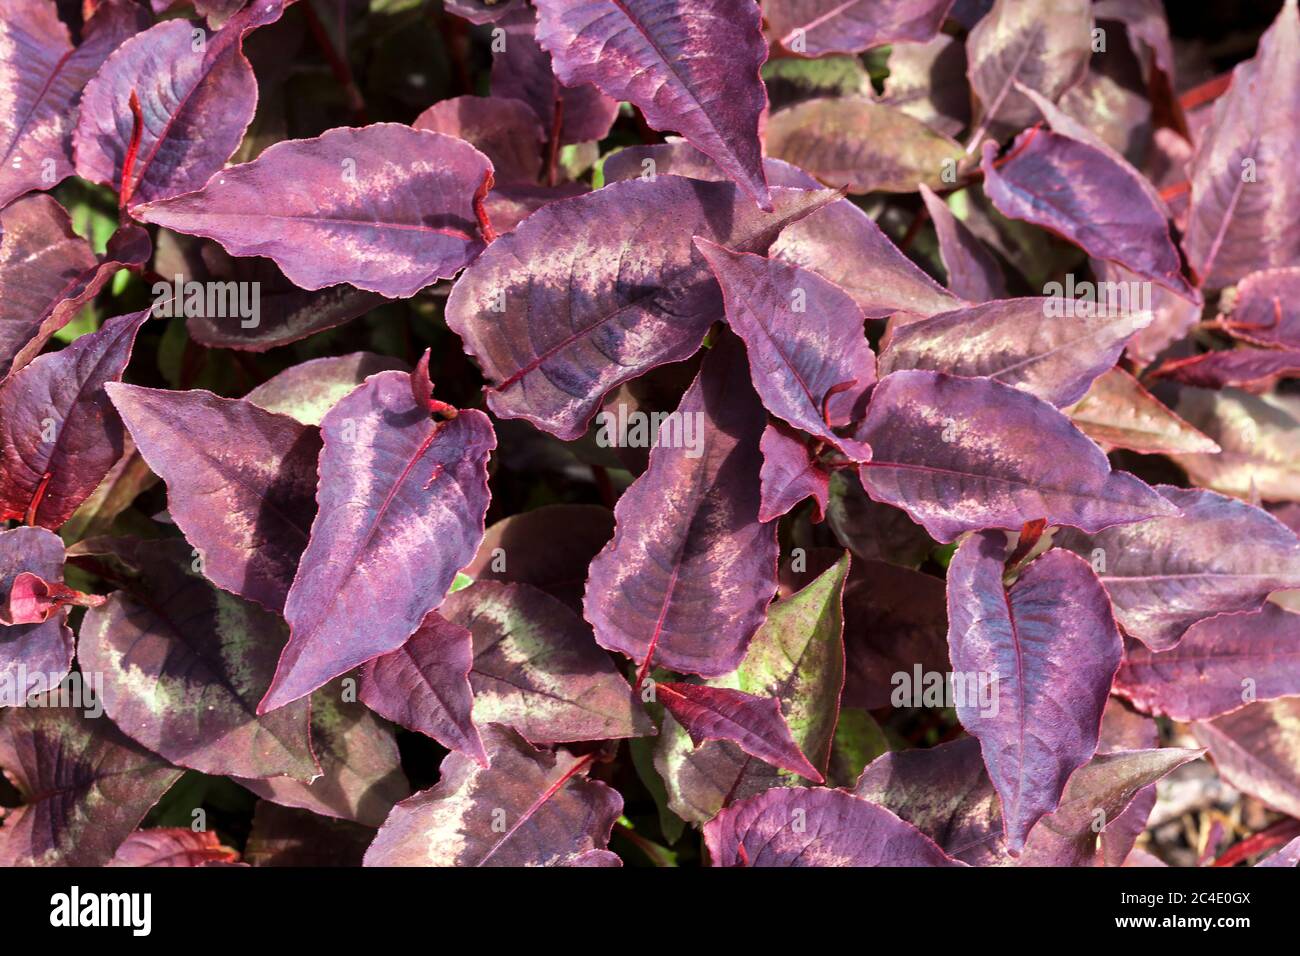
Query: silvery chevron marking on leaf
{"points": [[965, 454], [816, 828], [184, 666], [43, 76], [1165, 574], [528, 808], [1016, 341], [1242, 216], [241, 482], [84, 786], [591, 292], [59, 434], [815, 28], [687, 579], [808, 355], [164, 112], [401, 501], [1052, 647], [385, 208], [690, 66]]}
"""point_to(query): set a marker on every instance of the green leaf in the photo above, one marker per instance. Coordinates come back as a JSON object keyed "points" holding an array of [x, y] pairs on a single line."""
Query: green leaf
{"points": [[797, 656]]}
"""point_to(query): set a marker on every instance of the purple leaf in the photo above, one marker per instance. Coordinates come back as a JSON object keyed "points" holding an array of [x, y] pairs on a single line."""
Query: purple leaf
{"points": [[1103, 790], [1174, 313], [816, 828], [389, 209], [391, 478], [529, 808], [1125, 729], [843, 244], [43, 649], [305, 392], [1048, 648], [817, 27], [1042, 44], [538, 670], [521, 70], [1265, 310], [41, 259], [689, 574], [1259, 437], [173, 846], [789, 474], [808, 356], [549, 547], [506, 131], [871, 530], [240, 483], [896, 619], [664, 57], [839, 242], [1118, 412], [1254, 750], [797, 657], [59, 435], [43, 77], [1165, 574], [1079, 191], [424, 685], [283, 312], [861, 144], [85, 787], [361, 770], [754, 724], [556, 319], [973, 273], [1255, 370], [1028, 343], [1222, 664], [184, 666], [482, 11], [964, 454], [168, 108], [945, 793], [1244, 196], [928, 81], [1288, 856]]}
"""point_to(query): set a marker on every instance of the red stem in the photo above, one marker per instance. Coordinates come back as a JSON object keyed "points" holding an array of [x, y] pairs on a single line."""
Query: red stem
{"points": [[35, 506], [132, 151], [1206, 92]]}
